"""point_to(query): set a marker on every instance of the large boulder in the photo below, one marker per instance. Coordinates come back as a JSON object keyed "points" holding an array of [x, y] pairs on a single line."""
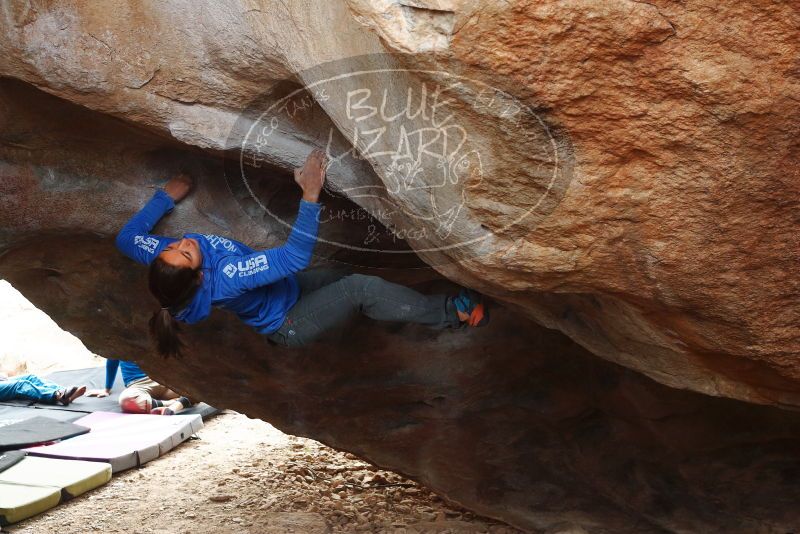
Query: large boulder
{"points": [[650, 213], [626, 174]]}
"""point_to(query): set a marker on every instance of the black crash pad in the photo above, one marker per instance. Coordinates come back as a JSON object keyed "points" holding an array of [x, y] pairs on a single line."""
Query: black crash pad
{"points": [[9, 458], [93, 378], [37, 430], [11, 414]]}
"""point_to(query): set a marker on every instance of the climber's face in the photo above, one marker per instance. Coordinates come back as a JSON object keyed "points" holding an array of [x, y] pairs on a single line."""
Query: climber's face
{"points": [[183, 253]]}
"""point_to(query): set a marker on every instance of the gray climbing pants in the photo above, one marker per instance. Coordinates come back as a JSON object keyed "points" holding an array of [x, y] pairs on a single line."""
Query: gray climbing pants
{"points": [[330, 298]]}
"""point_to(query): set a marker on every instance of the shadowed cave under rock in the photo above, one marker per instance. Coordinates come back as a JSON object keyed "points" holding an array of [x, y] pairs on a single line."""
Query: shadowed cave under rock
{"points": [[513, 421]]}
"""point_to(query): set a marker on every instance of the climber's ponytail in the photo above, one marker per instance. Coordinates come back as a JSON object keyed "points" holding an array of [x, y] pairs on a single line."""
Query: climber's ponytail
{"points": [[174, 287], [165, 333]]}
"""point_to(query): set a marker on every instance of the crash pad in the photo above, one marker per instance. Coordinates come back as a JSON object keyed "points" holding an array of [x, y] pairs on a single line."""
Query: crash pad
{"points": [[20, 501], [94, 378], [123, 440], [12, 414], [72, 477], [9, 458], [37, 430]]}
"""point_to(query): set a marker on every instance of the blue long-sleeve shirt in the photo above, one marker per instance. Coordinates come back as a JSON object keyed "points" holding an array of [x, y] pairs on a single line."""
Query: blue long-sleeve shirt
{"points": [[258, 286], [130, 372]]}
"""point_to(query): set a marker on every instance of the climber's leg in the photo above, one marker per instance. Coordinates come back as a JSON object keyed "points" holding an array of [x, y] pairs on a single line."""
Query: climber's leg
{"points": [[140, 395], [313, 279], [334, 305]]}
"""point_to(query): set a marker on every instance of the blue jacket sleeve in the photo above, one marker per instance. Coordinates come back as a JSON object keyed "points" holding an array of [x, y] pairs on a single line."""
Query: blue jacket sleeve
{"points": [[135, 241], [235, 274], [111, 372]]}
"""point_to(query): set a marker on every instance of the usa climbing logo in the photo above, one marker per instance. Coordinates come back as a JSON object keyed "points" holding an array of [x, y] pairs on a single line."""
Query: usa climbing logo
{"points": [[229, 270], [248, 267], [146, 243]]}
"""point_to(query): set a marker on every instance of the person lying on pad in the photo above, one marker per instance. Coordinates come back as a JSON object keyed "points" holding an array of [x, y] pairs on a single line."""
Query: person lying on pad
{"points": [[32, 387], [265, 288], [141, 394]]}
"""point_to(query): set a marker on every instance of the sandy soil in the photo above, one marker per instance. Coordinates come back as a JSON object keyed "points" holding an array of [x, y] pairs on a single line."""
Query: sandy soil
{"points": [[241, 476]]}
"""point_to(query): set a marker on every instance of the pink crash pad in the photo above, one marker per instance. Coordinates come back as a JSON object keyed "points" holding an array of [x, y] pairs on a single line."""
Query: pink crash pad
{"points": [[123, 440]]}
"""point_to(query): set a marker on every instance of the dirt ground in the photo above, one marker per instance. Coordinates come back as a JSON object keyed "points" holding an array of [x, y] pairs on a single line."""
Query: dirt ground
{"points": [[244, 476], [241, 476]]}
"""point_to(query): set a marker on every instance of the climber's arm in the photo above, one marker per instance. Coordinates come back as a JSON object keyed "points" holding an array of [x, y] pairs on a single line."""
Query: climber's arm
{"points": [[236, 274], [111, 374], [135, 240]]}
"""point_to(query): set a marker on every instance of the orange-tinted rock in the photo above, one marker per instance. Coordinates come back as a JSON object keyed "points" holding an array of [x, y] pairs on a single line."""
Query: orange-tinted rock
{"points": [[672, 248], [666, 241]]}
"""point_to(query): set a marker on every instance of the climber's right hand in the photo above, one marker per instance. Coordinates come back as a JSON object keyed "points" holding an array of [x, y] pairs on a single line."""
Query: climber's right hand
{"points": [[179, 186], [311, 177], [99, 393]]}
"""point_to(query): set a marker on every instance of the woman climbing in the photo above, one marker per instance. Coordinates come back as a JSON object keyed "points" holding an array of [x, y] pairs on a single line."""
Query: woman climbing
{"points": [[266, 288]]}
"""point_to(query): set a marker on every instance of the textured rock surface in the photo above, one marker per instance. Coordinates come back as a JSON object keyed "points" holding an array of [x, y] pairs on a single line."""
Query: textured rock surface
{"points": [[663, 148], [671, 248], [513, 421]]}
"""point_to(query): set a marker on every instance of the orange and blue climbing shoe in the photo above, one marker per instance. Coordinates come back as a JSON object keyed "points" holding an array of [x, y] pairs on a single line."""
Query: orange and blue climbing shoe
{"points": [[471, 303]]}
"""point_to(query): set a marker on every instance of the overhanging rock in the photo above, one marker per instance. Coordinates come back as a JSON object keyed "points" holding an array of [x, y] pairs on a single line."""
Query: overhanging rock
{"points": [[668, 244]]}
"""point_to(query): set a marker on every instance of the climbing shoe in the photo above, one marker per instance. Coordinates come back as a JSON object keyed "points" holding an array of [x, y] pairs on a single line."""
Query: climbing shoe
{"points": [[470, 303]]}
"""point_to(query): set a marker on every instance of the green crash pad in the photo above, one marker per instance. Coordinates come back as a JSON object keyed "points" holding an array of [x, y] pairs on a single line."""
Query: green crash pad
{"points": [[27, 488], [18, 501]]}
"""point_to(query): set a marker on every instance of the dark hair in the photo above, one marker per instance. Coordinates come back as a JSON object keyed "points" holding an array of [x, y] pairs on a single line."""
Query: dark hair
{"points": [[174, 287]]}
